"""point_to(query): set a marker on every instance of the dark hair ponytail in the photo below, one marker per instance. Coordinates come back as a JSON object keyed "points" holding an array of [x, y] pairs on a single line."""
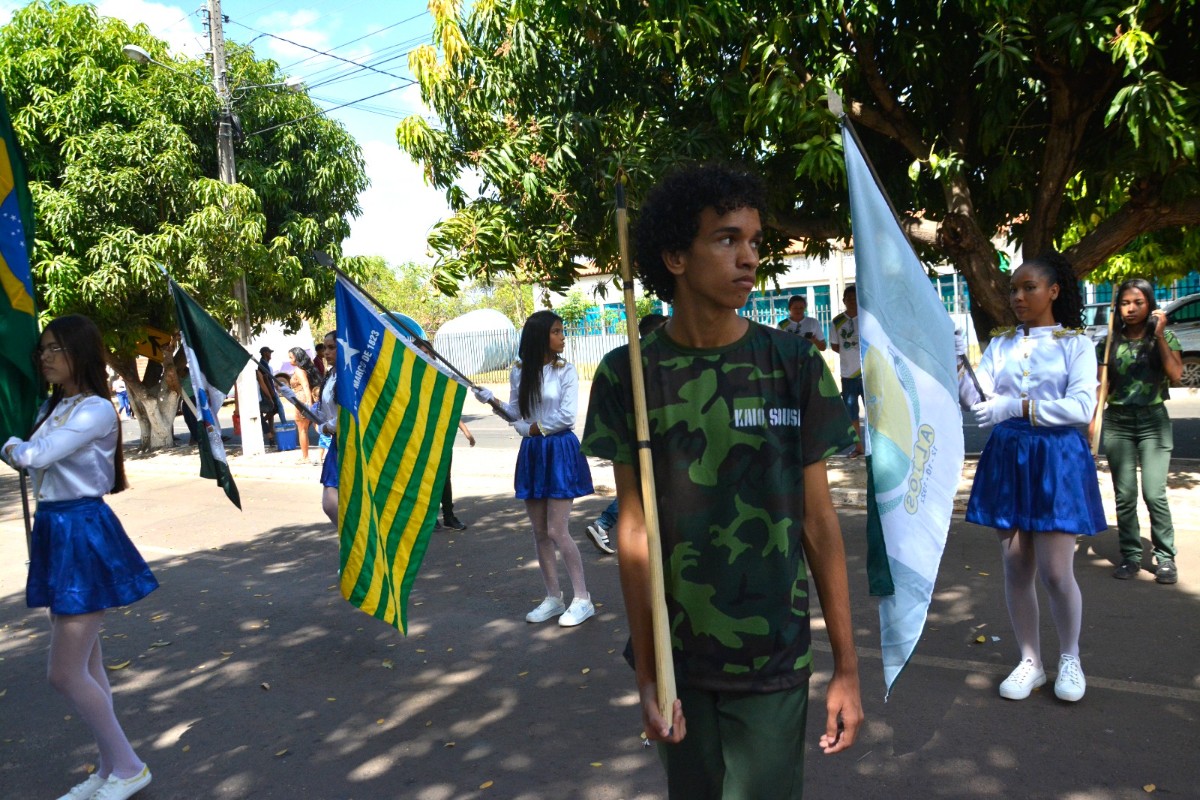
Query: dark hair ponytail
{"points": [[1068, 306]]}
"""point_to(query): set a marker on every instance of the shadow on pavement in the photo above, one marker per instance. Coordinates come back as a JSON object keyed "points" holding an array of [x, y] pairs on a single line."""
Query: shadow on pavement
{"points": [[250, 677]]}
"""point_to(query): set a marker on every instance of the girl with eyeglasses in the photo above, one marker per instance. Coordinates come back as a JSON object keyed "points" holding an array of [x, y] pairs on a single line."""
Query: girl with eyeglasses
{"points": [[81, 562]]}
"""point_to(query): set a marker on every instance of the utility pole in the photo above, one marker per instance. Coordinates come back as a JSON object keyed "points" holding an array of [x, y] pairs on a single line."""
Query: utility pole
{"points": [[247, 383]]}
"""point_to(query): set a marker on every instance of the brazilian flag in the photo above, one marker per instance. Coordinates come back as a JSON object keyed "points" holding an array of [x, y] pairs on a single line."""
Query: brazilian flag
{"points": [[19, 380]]}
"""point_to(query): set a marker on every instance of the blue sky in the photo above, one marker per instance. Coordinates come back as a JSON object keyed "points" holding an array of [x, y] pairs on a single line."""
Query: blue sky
{"points": [[398, 208]]}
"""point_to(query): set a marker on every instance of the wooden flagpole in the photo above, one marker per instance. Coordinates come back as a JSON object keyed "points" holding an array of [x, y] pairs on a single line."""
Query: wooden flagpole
{"points": [[1102, 393], [324, 260], [664, 665]]}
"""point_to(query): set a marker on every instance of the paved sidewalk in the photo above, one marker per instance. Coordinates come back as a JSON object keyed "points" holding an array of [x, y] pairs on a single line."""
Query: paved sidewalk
{"points": [[247, 677]]}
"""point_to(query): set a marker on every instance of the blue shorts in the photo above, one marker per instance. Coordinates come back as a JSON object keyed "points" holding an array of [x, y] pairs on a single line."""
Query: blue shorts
{"points": [[852, 394]]}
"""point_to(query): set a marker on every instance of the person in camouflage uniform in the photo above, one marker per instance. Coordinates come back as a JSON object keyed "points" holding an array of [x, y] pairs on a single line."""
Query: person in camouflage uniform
{"points": [[741, 417], [1142, 362]]}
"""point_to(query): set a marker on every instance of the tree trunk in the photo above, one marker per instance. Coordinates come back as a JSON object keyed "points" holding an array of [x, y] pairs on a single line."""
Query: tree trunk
{"points": [[154, 403], [973, 254]]}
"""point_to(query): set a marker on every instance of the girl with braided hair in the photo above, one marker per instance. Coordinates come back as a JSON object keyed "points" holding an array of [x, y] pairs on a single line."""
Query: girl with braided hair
{"points": [[1036, 481]]}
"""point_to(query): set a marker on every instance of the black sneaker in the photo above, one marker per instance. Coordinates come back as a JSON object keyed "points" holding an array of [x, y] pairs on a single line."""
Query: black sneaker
{"points": [[454, 523], [1128, 569], [1166, 572]]}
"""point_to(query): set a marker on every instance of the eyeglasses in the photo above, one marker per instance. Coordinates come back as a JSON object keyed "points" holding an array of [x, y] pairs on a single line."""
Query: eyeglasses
{"points": [[48, 350]]}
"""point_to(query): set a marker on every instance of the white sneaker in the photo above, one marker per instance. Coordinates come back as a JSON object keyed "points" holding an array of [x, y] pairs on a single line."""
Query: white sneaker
{"points": [[577, 613], [1070, 684], [550, 607], [1023, 680], [599, 536], [85, 790], [123, 788]]}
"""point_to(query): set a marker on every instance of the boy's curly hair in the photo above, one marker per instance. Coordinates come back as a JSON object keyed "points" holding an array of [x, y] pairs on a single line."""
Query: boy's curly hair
{"points": [[670, 215]]}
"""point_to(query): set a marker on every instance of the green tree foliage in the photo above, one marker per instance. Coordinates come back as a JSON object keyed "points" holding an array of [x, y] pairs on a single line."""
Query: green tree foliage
{"points": [[123, 169], [1049, 124]]}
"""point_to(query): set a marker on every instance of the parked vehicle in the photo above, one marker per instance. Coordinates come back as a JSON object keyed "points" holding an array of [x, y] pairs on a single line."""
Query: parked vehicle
{"points": [[1183, 316], [1095, 320]]}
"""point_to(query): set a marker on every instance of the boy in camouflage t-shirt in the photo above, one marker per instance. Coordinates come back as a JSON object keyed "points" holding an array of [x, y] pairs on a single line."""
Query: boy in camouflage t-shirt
{"points": [[741, 419]]}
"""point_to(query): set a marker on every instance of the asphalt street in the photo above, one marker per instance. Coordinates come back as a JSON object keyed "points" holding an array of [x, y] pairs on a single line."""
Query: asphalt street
{"points": [[247, 676]]}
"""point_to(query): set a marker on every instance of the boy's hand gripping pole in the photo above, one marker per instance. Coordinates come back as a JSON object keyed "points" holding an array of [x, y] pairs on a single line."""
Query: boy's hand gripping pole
{"points": [[664, 666]]}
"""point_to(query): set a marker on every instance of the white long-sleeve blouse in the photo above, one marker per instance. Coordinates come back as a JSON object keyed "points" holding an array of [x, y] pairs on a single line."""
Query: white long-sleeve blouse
{"points": [[1052, 367], [71, 454], [560, 399]]}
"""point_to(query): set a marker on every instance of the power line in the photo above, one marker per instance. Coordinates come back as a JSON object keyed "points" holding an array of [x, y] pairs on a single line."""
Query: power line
{"points": [[380, 110], [325, 111], [321, 52], [349, 75], [360, 38]]}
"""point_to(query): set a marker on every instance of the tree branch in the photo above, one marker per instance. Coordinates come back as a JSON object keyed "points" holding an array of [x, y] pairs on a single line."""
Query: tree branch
{"points": [[890, 120], [1074, 97], [1137, 217], [796, 227]]}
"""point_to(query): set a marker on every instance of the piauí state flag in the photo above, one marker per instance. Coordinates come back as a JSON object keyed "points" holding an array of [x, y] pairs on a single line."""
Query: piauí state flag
{"points": [[396, 424], [914, 437], [18, 320], [215, 359]]}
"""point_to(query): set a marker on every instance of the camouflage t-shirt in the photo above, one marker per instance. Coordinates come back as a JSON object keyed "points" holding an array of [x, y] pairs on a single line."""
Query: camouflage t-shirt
{"points": [[1132, 381], [731, 431]]}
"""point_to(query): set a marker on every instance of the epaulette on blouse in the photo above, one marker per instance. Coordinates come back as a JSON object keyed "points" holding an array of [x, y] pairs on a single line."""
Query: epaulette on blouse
{"points": [[1005, 332], [1069, 332]]}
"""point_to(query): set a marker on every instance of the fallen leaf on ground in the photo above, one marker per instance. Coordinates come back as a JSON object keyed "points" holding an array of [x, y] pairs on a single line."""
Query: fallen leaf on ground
{"points": [[1148, 788], [980, 639], [485, 785], [122, 665], [265, 686], [448, 744], [387, 663], [597, 764], [586, 670], [282, 752], [159, 644]]}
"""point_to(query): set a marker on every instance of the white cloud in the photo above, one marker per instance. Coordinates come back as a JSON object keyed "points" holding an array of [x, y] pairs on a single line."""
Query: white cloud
{"points": [[178, 26], [397, 210]]}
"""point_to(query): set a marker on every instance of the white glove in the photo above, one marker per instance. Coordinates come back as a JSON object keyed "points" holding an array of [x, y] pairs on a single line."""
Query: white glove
{"points": [[960, 343], [6, 450], [999, 408], [483, 395]]}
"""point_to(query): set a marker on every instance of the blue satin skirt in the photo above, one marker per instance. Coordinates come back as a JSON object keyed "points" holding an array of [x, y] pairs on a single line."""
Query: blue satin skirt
{"points": [[552, 467], [81, 560], [329, 467], [1034, 478]]}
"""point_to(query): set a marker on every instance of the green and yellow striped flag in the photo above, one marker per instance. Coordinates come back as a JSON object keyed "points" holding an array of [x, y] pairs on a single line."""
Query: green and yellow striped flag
{"points": [[19, 381], [396, 428]]}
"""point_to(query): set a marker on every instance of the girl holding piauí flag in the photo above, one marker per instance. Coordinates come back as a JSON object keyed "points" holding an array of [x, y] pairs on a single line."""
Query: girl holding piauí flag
{"points": [[1036, 481], [328, 427], [551, 469], [81, 562], [1143, 361]]}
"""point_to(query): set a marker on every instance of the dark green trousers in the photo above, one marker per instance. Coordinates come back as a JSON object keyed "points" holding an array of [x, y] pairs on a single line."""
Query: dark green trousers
{"points": [[1140, 436], [739, 746]]}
